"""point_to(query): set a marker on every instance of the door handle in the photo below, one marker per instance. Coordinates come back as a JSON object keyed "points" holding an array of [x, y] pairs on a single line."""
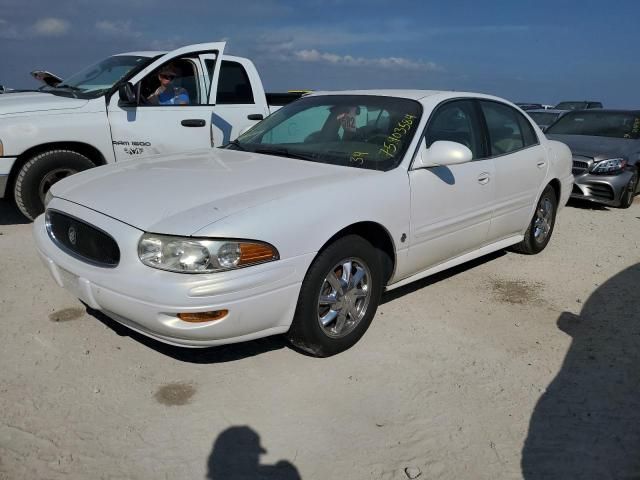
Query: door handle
{"points": [[255, 116], [193, 122], [541, 164], [483, 178]]}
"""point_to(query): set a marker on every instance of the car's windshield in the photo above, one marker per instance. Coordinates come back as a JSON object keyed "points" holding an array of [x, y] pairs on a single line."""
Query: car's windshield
{"points": [[571, 106], [543, 118], [97, 79], [600, 124], [363, 131]]}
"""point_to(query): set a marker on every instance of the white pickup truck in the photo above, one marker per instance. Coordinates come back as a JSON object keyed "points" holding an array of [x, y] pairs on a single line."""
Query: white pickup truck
{"points": [[110, 112]]}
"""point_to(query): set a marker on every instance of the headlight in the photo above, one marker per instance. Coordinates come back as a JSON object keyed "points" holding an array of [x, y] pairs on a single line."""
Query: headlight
{"points": [[609, 166], [47, 198], [201, 255]]}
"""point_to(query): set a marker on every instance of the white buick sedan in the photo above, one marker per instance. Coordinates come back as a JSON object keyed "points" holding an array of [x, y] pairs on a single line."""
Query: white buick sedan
{"points": [[299, 225]]}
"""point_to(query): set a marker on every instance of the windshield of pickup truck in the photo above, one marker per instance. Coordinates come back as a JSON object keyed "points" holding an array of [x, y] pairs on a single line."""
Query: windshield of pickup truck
{"points": [[362, 131], [99, 78], [599, 124]]}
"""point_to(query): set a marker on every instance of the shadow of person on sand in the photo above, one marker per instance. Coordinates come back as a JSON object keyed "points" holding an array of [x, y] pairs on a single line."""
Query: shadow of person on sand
{"points": [[587, 423], [236, 456]]}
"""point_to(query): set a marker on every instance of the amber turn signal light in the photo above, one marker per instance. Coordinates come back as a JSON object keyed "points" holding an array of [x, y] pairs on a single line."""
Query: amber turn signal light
{"points": [[200, 317], [251, 253]]}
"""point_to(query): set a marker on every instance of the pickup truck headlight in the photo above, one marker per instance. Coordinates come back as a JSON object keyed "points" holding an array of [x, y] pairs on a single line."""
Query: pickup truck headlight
{"points": [[611, 165], [201, 255]]}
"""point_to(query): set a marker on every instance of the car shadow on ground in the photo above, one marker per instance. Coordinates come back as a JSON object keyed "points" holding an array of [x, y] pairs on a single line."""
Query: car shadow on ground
{"points": [[207, 355], [10, 215], [587, 423], [236, 456], [586, 205], [439, 277]]}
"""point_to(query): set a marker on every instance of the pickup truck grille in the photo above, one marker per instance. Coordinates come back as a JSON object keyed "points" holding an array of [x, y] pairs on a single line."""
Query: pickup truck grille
{"points": [[81, 240]]}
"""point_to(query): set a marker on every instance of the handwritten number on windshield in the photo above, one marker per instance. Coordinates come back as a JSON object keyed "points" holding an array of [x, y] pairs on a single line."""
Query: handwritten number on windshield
{"points": [[402, 128]]}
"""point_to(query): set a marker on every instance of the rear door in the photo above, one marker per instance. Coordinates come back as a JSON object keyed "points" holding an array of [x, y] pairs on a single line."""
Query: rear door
{"points": [[451, 206], [151, 129], [520, 167], [237, 102]]}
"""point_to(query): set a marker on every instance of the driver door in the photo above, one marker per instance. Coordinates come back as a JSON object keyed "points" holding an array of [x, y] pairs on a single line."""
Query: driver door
{"points": [[145, 129], [451, 207]]}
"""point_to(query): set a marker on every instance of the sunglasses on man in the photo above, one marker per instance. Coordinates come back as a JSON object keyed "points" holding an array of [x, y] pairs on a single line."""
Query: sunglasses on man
{"points": [[167, 77]]}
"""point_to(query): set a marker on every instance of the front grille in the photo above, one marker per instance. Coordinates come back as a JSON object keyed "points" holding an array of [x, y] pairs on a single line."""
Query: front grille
{"points": [[579, 166], [601, 191], [82, 240]]}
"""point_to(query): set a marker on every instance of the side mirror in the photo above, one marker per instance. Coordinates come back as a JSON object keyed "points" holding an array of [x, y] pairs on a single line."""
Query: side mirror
{"points": [[443, 153], [127, 94]]}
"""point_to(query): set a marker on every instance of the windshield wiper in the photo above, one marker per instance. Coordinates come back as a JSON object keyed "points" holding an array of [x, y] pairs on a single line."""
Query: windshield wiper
{"points": [[68, 87], [236, 143], [283, 152]]}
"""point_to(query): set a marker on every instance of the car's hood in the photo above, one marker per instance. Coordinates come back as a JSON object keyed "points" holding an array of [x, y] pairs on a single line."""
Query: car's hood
{"points": [[25, 102], [181, 194], [598, 148]]}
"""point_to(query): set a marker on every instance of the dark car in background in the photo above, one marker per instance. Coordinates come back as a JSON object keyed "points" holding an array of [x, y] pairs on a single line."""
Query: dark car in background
{"points": [[578, 105], [606, 153], [530, 106], [544, 118]]}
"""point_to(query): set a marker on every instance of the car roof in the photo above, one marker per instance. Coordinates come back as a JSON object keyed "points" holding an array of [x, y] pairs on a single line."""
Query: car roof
{"points": [[144, 53], [410, 94], [604, 110]]}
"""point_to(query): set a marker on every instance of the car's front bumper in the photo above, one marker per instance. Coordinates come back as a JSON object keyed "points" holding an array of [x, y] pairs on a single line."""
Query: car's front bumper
{"points": [[261, 300], [604, 189], [6, 163]]}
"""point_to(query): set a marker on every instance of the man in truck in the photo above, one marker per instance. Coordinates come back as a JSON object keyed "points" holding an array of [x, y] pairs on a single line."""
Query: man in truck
{"points": [[168, 93]]}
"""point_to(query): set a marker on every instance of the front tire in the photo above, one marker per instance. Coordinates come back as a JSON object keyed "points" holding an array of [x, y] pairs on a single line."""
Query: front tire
{"points": [[338, 298], [36, 177], [629, 191], [541, 226]]}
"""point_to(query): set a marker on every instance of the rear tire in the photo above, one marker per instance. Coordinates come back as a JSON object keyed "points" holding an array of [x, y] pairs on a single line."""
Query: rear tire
{"points": [[338, 298], [629, 192], [541, 226], [40, 173]]}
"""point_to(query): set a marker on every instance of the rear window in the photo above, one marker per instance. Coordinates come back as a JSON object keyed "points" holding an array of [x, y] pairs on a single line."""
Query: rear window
{"points": [[599, 124], [233, 85]]}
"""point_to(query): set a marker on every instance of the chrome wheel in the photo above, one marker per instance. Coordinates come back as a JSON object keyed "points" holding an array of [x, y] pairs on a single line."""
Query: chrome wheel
{"points": [[543, 221], [53, 177], [344, 297]]}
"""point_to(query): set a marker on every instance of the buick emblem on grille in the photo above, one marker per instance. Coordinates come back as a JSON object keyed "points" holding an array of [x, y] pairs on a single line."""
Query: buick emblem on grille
{"points": [[73, 235]]}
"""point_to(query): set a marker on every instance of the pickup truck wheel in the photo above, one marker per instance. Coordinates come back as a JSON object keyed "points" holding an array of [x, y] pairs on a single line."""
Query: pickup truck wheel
{"points": [[338, 298], [36, 177], [541, 226], [629, 192]]}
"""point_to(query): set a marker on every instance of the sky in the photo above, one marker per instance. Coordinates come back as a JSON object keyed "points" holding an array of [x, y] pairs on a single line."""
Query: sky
{"points": [[530, 51]]}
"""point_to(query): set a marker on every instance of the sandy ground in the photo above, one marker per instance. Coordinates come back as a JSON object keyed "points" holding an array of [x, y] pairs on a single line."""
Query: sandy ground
{"points": [[511, 367]]}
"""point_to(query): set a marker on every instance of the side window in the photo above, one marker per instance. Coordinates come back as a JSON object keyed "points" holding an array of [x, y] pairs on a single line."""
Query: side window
{"points": [[505, 134], [233, 85], [456, 121], [174, 83], [528, 133]]}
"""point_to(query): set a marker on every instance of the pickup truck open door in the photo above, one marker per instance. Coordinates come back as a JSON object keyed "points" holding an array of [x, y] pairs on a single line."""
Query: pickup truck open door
{"points": [[143, 128]]}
